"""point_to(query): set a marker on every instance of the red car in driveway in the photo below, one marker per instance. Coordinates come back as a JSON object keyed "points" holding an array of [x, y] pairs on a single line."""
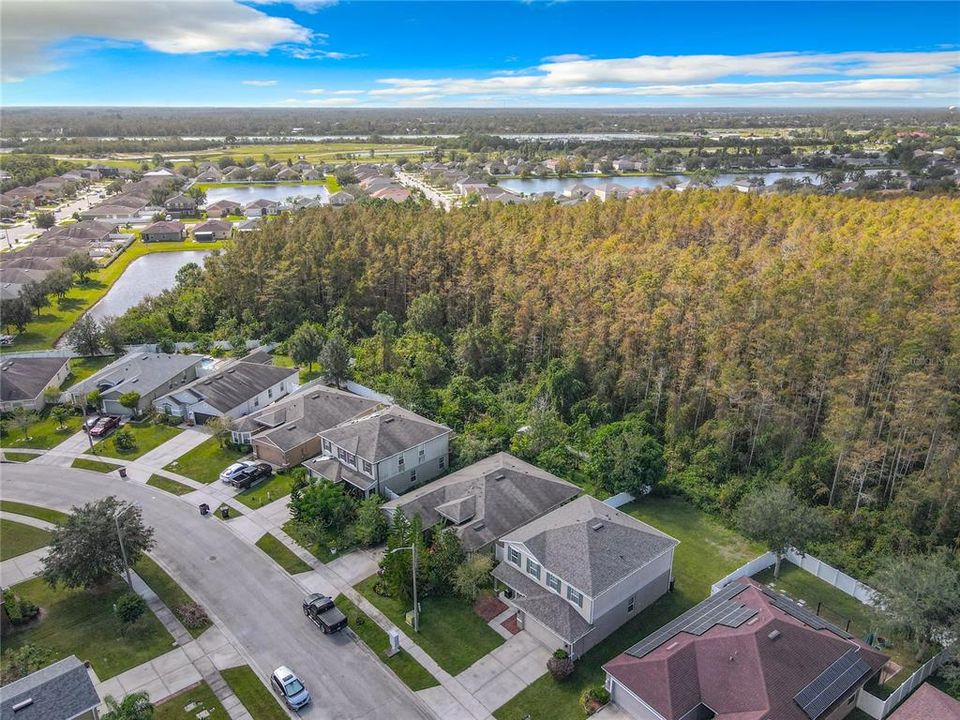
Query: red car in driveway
{"points": [[104, 425]]}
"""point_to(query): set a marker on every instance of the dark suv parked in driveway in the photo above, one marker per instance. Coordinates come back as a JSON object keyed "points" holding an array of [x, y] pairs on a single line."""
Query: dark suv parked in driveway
{"points": [[253, 475]]}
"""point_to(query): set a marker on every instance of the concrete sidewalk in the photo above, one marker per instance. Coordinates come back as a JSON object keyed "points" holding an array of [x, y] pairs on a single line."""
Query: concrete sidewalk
{"points": [[63, 454], [173, 448], [22, 567]]}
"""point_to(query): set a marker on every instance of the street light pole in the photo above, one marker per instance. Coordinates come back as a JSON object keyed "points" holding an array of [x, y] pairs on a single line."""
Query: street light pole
{"points": [[123, 550], [416, 605]]}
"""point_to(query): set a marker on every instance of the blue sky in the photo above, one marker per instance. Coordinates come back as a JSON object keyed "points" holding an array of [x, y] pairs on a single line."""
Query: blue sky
{"points": [[318, 53]]}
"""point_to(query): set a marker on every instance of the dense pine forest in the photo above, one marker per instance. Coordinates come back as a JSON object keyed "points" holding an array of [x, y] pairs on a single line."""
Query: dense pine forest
{"points": [[703, 343]]}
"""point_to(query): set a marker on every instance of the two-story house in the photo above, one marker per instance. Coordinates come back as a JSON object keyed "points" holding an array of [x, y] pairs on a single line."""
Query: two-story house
{"points": [[387, 451], [578, 573]]}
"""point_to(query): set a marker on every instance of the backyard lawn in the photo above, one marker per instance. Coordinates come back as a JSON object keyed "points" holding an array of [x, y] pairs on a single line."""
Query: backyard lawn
{"points": [[147, 437], [254, 695], [82, 623], [201, 698], [282, 555], [95, 465], [17, 538], [167, 589], [83, 367], [403, 664], [206, 461], [707, 552], [278, 486], [450, 631], [170, 486], [306, 375], [43, 434], [34, 511]]}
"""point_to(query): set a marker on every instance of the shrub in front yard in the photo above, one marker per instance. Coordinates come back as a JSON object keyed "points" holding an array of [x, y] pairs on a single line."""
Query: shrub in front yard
{"points": [[17, 610], [124, 441], [130, 607], [592, 699], [560, 665]]}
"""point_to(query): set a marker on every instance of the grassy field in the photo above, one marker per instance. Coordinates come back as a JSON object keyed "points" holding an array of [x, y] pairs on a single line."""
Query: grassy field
{"points": [[707, 552], [313, 152], [56, 319], [206, 461], [168, 485], [43, 434], [166, 588], [147, 437], [450, 631], [21, 457], [82, 368], [275, 488], [17, 538], [82, 623], [34, 511], [282, 555], [94, 465], [254, 695], [199, 695], [403, 664]]}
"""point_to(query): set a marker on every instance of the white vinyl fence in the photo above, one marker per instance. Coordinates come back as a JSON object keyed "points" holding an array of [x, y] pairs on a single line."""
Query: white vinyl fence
{"points": [[619, 500], [879, 709]]}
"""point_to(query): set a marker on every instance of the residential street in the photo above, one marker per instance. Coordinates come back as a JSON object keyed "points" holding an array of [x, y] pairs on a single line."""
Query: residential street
{"points": [[256, 601]]}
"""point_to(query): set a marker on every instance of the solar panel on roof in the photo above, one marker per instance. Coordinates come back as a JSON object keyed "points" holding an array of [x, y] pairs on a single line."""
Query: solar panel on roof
{"points": [[832, 684], [802, 614], [718, 609]]}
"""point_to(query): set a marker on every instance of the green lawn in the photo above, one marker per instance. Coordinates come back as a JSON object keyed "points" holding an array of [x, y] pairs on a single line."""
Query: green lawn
{"points": [[166, 588], [450, 631], [168, 485], [266, 492], [232, 512], [55, 319], [34, 511], [206, 461], [21, 457], [254, 695], [321, 551], [201, 695], [82, 623], [306, 375], [94, 465], [839, 608], [17, 538], [282, 555], [147, 437], [43, 434], [412, 673], [83, 367], [707, 552]]}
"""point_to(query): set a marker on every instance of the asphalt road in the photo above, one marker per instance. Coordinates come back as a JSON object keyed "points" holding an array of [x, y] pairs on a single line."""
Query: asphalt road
{"points": [[257, 602]]}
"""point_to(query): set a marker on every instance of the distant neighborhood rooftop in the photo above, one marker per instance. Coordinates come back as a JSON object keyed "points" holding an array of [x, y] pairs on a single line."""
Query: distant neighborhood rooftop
{"points": [[233, 386], [61, 691], [928, 703], [25, 378]]}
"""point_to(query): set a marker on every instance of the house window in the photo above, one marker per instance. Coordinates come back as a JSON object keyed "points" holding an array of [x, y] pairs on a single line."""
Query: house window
{"points": [[413, 476], [269, 392], [575, 597], [326, 446], [422, 453], [342, 454], [533, 568], [442, 463], [367, 468], [400, 463], [632, 603], [351, 459], [553, 582], [513, 555]]}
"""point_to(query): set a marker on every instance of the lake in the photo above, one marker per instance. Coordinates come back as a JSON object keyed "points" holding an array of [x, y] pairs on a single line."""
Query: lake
{"points": [[147, 275], [277, 191], [647, 182]]}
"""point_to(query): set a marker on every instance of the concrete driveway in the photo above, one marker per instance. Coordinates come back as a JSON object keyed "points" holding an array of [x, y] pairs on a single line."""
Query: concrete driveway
{"points": [[256, 601]]}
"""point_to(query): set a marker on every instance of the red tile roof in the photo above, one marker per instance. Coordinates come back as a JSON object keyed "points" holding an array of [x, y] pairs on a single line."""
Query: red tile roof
{"points": [[928, 703], [740, 673]]}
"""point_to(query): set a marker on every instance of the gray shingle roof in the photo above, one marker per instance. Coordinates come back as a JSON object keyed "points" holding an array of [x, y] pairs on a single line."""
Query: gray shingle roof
{"points": [[335, 471], [58, 692], [591, 545], [294, 420], [545, 606], [507, 492], [25, 378], [384, 434], [234, 385], [141, 372]]}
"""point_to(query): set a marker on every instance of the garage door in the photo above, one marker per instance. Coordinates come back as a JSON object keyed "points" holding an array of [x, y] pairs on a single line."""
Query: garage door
{"points": [[202, 418]]}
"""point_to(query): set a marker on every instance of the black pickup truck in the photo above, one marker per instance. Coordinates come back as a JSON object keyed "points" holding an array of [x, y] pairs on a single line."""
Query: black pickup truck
{"points": [[324, 613]]}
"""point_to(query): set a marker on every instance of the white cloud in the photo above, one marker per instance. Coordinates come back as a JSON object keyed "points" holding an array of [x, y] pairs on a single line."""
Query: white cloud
{"points": [[259, 83], [566, 57], [308, 53], [314, 91], [305, 5], [36, 34]]}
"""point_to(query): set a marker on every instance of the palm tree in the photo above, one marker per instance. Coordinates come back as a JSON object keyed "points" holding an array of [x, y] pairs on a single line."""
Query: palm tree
{"points": [[135, 706]]}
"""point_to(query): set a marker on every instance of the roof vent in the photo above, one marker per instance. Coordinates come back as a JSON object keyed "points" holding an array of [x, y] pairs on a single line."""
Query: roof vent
{"points": [[774, 634], [480, 525], [499, 477], [315, 397], [672, 645], [231, 370], [597, 526], [23, 704], [388, 420]]}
